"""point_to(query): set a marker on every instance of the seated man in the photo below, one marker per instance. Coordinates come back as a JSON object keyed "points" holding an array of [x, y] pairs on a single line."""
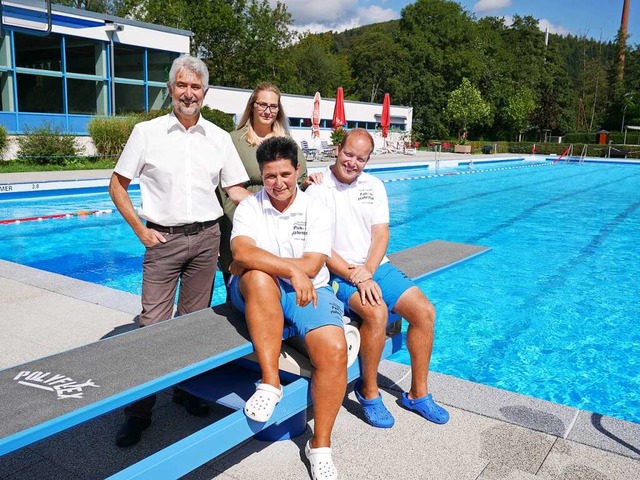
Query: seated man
{"points": [[280, 241], [369, 285]]}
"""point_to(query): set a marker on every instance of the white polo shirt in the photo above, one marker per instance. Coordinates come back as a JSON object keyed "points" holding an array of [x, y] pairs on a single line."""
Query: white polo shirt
{"points": [[304, 227], [180, 169], [354, 209]]}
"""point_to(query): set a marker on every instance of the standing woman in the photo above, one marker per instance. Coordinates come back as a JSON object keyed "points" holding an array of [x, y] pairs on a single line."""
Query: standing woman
{"points": [[263, 118]]}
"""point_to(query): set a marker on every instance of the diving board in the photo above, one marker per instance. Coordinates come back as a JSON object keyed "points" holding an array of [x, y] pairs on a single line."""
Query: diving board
{"points": [[431, 257], [51, 394]]}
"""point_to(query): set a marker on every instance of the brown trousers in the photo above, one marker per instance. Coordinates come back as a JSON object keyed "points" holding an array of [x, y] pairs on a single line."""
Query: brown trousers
{"points": [[189, 260]]}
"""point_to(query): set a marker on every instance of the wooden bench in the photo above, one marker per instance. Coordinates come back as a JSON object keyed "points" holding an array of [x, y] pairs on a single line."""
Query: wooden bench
{"points": [[204, 349]]}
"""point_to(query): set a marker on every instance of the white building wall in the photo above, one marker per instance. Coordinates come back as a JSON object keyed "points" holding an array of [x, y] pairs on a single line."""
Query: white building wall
{"points": [[233, 101]]}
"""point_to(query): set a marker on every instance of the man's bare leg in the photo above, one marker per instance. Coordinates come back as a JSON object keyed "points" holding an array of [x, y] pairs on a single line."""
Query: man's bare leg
{"points": [[420, 313], [372, 338]]}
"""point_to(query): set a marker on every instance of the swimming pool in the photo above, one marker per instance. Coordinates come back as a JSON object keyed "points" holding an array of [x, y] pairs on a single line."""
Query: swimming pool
{"points": [[550, 312]]}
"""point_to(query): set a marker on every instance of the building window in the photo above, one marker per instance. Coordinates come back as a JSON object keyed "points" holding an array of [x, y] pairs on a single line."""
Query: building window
{"points": [[129, 62], [159, 98], [41, 53], [39, 93], [6, 92], [129, 98], [87, 97], [159, 64], [83, 56], [5, 50]]}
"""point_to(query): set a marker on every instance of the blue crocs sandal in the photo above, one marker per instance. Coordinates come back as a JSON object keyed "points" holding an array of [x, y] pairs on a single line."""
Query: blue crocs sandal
{"points": [[426, 407], [375, 413]]}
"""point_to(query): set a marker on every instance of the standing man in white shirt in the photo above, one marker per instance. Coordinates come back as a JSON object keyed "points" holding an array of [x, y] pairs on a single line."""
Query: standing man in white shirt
{"points": [[180, 159], [368, 284], [281, 239]]}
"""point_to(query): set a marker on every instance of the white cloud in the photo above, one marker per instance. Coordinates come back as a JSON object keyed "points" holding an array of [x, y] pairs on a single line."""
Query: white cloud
{"points": [[338, 15], [484, 6], [543, 23]]}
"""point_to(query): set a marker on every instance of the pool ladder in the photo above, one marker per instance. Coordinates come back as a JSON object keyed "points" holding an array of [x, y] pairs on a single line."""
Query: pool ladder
{"points": [[583, 154]]}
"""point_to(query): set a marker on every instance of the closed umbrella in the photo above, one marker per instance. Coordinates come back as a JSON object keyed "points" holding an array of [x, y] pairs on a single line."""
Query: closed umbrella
{"points": [[315, 117], [339, 119], [385, 120]]}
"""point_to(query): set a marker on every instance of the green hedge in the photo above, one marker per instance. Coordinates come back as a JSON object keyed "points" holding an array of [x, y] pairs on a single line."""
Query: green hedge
{"points": [[110, 134]]}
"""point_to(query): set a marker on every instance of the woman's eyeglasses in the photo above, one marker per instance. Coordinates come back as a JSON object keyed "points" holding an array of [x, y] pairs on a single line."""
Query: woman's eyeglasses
{"points": [[265, 106]]}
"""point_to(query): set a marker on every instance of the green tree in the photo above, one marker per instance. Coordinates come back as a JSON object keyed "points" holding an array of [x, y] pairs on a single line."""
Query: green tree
{"points": [[316, 68], [377, 63], [99, 6], [441, 42], [466, 108], [518, 111]]}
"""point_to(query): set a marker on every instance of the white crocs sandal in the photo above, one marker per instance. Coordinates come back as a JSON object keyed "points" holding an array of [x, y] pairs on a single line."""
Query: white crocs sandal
{"points": [[262, 403], [322, 467]]}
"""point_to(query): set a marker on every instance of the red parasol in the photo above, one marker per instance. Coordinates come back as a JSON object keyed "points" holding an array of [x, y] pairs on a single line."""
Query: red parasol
{"points": [[339, 119], [315, 117], [385, 120]]}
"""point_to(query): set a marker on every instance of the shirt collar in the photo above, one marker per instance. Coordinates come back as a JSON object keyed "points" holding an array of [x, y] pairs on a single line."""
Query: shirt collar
{"points": [[333, 182], [174, 123], [296, 207]]}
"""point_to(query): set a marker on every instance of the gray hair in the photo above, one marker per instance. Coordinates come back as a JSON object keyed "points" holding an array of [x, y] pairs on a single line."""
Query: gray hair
{"points": [[193, 64]]}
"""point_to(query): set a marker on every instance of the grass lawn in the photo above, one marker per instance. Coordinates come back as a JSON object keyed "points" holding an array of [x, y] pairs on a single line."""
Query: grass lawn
{"points": [[80, 163]]}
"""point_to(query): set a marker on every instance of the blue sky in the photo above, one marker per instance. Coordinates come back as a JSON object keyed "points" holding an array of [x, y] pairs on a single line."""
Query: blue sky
{"points": [[599, 19]]}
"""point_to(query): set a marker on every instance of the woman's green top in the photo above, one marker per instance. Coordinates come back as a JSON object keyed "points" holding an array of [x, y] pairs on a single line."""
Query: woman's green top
{"points": [[247, 154]]}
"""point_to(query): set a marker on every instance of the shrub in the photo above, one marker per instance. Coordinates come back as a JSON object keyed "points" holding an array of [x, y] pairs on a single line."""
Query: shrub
{"points": [[47, 145], [109, 135], [4, 141], [219, 118]]}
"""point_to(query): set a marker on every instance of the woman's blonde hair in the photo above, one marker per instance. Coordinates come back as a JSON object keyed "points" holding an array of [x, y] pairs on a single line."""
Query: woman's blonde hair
{"points": [[280, 127]]}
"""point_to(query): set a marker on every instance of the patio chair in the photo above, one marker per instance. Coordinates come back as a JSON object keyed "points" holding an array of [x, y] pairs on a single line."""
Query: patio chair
{"points": [[310, 154]]}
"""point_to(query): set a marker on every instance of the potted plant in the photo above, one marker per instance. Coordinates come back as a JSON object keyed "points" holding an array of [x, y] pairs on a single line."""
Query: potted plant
{"points": [[462, 146], [337, 135]]}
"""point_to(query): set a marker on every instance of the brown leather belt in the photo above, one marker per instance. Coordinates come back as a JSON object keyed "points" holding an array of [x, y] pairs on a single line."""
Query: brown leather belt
{"points": [[188, 229]]}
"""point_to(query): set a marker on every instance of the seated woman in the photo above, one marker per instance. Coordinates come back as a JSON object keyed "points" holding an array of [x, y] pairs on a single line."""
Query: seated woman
{"points": [[281, 240]]}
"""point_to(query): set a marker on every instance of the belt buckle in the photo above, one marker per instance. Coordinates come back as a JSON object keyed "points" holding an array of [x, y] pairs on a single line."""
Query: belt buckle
{"points": [[192, 229]]}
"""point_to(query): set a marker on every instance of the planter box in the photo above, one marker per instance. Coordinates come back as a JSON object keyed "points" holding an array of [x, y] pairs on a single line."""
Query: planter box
{"points": [[462, 149]]}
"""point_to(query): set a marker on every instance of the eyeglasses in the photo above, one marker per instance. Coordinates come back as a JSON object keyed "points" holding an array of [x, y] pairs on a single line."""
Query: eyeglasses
{"points": [[265, 106]]}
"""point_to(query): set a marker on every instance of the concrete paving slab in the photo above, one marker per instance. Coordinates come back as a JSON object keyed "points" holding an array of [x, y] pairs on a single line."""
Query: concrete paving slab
{"points": [[511, 407], [71, 287], [607, 433], [15, 349], [502, 472], [572, 461]]}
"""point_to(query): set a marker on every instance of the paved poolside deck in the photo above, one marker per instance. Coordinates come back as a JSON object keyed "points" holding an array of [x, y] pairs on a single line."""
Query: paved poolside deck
{"points": [[493, 434]]}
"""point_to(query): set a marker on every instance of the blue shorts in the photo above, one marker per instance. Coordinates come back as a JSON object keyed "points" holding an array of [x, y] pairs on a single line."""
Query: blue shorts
{"points": [[391, 281], [303, 319]]}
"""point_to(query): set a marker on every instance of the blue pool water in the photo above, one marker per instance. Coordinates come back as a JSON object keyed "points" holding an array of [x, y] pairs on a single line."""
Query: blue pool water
{"points": [[551, 311]]}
